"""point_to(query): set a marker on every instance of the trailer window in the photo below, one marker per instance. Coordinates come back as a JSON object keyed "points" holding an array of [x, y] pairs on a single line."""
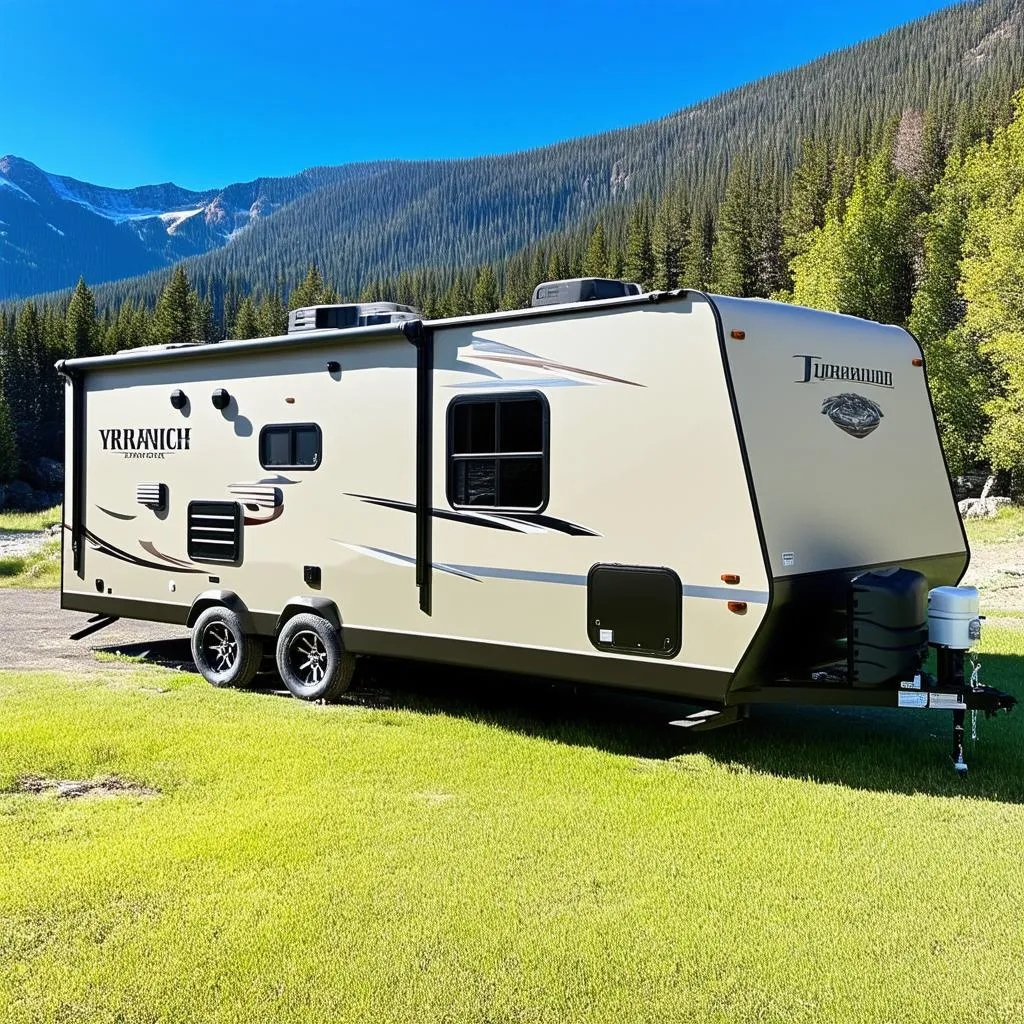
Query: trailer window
{"points": [[291, 446], [498, 452]]}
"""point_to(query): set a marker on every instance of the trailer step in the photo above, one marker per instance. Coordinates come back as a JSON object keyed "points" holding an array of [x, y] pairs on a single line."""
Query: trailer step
{"points": [[710, 718]]}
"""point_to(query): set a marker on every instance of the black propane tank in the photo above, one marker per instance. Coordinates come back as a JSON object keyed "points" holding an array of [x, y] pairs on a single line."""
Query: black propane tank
{"points": [[887, 617]]}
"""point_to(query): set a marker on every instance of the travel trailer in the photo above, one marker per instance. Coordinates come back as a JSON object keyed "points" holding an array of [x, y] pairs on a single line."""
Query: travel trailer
{"points": [[725, 501]]}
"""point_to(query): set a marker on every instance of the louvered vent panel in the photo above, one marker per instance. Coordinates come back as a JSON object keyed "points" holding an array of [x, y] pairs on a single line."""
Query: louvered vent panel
{"points": [[153, 496], [215, 531]]}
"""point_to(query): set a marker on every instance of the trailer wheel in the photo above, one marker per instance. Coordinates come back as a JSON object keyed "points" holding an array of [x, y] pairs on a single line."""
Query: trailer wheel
{"points": [[310, 659], [224, 654]]}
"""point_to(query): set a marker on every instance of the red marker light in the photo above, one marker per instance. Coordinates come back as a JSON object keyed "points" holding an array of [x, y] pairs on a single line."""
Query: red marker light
{"points": [[739, 607]]}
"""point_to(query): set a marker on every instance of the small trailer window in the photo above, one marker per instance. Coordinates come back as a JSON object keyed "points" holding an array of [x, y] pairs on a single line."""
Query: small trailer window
{"points": [[291, 446], [498, 452]]}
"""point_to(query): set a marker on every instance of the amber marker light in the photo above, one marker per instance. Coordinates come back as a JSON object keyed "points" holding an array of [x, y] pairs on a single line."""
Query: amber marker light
{"points": [[739, 607], [738, 335], [730, 577]]}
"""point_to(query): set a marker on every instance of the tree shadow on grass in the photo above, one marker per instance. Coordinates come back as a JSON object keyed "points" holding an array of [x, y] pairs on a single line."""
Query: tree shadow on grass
{"points": [[878, 749]]}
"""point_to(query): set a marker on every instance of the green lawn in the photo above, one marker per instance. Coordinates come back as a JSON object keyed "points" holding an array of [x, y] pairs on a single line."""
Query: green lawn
{"points": [[40, 568], [22, 522], [480, 850], [1006, 526]]}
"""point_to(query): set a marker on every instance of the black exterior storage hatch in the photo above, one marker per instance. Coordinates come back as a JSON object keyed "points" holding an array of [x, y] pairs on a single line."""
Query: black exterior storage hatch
{"points": [[635, 609]]}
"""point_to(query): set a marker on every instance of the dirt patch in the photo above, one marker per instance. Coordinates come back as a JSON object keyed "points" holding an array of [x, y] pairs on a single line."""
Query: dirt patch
{"points": [[72, 789]]}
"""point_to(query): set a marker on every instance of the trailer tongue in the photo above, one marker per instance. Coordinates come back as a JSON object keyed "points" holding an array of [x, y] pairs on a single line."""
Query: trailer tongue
{"points": [[892, 622]]}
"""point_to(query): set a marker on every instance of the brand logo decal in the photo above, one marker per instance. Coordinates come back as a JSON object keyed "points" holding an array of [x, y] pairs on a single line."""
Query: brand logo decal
{"points": [[145, 442], [815, 369], [855, 414]]}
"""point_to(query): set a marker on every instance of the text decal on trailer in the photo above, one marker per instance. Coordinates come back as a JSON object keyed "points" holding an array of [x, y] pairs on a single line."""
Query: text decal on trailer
{"points": [[145, 442], [815, 369]]}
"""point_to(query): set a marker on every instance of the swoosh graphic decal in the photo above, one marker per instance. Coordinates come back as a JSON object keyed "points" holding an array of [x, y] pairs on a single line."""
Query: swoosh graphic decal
{"points": [[494, 572], [106, 548], [251, 521], [547, 364], [497, 383], [114, 515], [149, 546], [394, 558], [515, 522]]}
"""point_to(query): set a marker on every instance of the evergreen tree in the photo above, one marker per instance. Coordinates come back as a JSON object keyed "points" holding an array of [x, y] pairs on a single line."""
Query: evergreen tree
{"points": [[770, 272], [81, 329], [696, 267], [313, 291], [272, 317], [8, 443], [595, 259], [733, 253], [669, 238], [174, 320], [639, 257], [808, 197], [246, 324], [485, 291]]}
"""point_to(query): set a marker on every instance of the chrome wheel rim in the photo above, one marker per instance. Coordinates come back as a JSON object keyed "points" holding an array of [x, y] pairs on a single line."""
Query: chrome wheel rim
{"points": [[219, 646], [307, 656]]}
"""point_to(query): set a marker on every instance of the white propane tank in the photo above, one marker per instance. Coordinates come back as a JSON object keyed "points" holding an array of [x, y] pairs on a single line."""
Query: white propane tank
{"points": [[953, 617]]}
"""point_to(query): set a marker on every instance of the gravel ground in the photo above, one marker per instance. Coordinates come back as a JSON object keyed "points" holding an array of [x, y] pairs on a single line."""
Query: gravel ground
{"points": [[35, 635], [20, 543], [997, 570]]}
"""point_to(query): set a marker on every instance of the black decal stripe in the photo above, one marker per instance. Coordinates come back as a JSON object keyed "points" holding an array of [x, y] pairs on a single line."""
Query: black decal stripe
{"points": [[104, 547], [456, 517], [115, 515], [561, 525], [500, 521]]}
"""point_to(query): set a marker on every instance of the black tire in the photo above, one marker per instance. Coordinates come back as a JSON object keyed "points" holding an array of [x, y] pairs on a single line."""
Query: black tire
{"points": [[224, 654], [311, 661]]}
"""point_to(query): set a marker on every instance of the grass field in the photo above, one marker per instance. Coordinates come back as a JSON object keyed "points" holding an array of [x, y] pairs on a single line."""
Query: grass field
{"points": [[22, 522], [482, 850], [1006, 526], [39, 568]]}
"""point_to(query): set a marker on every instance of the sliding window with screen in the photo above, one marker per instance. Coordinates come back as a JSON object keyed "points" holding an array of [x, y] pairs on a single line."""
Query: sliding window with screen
{"points": [[498, 452], [291, 446]]}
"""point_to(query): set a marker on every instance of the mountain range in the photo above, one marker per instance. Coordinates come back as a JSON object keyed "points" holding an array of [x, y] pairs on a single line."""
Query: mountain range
{"points": [[359, 222]]}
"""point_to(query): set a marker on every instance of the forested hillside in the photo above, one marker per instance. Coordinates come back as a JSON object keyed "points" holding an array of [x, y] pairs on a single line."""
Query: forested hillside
{"points": [[402, 216], [54, 229], [916, 219]]}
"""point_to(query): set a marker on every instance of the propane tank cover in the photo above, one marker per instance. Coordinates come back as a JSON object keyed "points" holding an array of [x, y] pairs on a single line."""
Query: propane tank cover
{"points": [[953, 617]]}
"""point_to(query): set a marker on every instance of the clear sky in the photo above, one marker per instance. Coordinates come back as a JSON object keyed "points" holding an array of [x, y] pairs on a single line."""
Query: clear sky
{"points": [[129, 92]]}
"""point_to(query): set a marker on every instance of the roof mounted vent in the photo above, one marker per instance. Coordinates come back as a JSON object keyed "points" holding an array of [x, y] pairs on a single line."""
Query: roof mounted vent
{"points": [[355, 314], [581, 289]]}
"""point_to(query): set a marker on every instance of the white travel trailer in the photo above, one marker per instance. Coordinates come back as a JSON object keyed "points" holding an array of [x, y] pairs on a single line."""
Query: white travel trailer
{"points": [[724, 500]]}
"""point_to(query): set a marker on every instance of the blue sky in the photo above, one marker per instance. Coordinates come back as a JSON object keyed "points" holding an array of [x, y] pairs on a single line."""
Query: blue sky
{"points": [[126, 93]]}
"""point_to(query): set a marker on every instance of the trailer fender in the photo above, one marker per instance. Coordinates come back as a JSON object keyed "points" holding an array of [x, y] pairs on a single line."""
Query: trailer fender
{"points": [[321, 606], [227, 598]]}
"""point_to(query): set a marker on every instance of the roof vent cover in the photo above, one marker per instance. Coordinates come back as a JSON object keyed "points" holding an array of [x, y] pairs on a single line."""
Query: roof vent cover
{"points": [[581, 289], [355, 314]]}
